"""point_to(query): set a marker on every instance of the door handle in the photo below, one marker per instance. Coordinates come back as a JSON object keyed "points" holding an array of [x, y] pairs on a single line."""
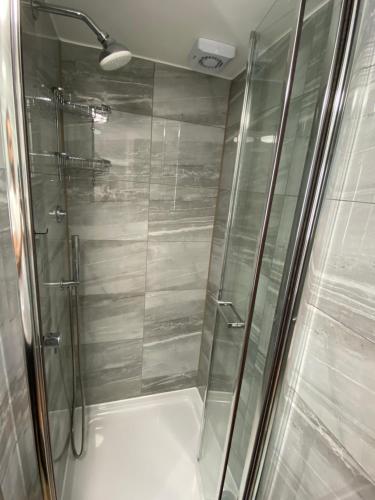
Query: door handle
{"points": [[52, 339], [226, 309]]}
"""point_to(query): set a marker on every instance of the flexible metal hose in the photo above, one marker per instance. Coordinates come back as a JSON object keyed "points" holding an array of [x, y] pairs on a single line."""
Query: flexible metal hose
{"points": [[77, 369]]}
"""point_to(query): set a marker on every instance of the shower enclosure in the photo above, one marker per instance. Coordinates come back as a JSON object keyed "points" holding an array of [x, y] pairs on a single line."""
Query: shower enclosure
{"points": [[278, 133]]}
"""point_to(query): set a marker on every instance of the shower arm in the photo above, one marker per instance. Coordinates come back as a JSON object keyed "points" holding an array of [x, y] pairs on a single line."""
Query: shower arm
{"points": [[102, 36]]}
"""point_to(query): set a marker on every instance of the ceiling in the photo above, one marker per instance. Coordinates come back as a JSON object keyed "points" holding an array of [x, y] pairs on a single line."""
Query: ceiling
{"points": [[165, 30]]}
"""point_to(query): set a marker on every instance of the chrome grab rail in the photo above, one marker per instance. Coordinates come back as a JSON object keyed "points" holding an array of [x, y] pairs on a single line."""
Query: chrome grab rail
{"points": [[222, 307], [62, 284]]}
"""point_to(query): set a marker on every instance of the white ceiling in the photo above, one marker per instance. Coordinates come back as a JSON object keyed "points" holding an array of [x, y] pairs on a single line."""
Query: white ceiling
{"points": [[165, 30]]}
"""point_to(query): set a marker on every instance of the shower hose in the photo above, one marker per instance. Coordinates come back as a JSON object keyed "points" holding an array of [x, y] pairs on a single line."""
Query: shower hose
{"points": [[76, 370]]}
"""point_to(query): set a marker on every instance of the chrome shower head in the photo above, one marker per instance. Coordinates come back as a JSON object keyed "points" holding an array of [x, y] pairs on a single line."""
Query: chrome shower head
{"points": [[114, 55]]}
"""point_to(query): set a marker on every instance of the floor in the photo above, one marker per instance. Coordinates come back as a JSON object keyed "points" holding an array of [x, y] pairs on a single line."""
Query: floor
{"points": [[140, 449]]}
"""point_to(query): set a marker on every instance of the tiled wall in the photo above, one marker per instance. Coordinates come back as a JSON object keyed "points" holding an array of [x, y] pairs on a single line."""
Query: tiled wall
{"points": [[146, 226], [323, 442]]}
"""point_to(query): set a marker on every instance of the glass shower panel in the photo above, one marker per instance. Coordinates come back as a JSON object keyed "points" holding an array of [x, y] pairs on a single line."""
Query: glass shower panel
{"points": [[50, 226], [308, 86], [256, 151], [321, 443]]}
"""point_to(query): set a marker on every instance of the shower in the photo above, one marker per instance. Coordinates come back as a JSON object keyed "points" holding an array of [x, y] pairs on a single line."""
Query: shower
{"points": [[113, 55], [156, 228]]}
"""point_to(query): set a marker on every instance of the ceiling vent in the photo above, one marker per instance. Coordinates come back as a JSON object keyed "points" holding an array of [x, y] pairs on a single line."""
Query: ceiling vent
{"points": [[209, 56]]}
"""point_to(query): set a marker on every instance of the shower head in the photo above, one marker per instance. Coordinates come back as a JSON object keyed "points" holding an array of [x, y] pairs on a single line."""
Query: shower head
{"points": [[113, 56]]}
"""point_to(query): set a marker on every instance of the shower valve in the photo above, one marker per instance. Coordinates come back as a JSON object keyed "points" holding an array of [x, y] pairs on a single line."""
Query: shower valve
{"points": [[58, 212]]}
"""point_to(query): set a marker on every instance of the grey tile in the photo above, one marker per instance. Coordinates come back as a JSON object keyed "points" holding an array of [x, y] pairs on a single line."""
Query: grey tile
{"points": [[110, 385], [216, 264], [113, 267], [106, 188], [170, 356], [110, 317], [231, 131], [172, 314], [206, 343], [314, 463], [168, 383], [218, 237], [47, 192], [12, 483], [112, 370], [180, 213], [109, 220], [125, 140], [185, 154], [7, 431], [354, 184], [225, 357], [110, 188], [78, 135], [332, 385], [127, 89], [177, 265], [41, 53], [343, 265], [190, 96]]}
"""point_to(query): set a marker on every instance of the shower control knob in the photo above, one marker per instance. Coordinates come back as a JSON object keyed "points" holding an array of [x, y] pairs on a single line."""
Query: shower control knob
{"points": [[58, 212]]}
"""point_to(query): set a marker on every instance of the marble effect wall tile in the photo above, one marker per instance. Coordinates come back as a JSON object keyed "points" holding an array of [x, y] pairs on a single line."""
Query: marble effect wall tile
{"points": [[185, 95], [113, 267], [168, 383], [185, 154], [344, 285], [111, 317], [112, 370], [179, 213], [171, 356], [125, 140], [127, 89], [120, 221], [170, 314], [177, 265]]}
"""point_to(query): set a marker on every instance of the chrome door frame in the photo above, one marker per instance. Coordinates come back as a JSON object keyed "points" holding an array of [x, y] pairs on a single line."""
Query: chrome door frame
{"points": [[13, 133], [291, 65], [241, 141], [303, 231]]}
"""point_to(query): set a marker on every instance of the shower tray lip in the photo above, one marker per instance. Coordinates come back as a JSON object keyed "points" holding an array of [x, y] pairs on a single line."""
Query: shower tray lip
{"points": [[190, 395]]}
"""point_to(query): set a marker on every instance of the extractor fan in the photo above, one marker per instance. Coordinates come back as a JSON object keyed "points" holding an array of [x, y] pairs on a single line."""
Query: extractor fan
{"points": [[210, 56]]}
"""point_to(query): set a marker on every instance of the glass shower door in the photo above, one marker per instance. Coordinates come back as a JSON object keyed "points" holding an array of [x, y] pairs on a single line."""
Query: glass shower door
{"points": [[224, 448], [266, 80], [52, 259]]}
